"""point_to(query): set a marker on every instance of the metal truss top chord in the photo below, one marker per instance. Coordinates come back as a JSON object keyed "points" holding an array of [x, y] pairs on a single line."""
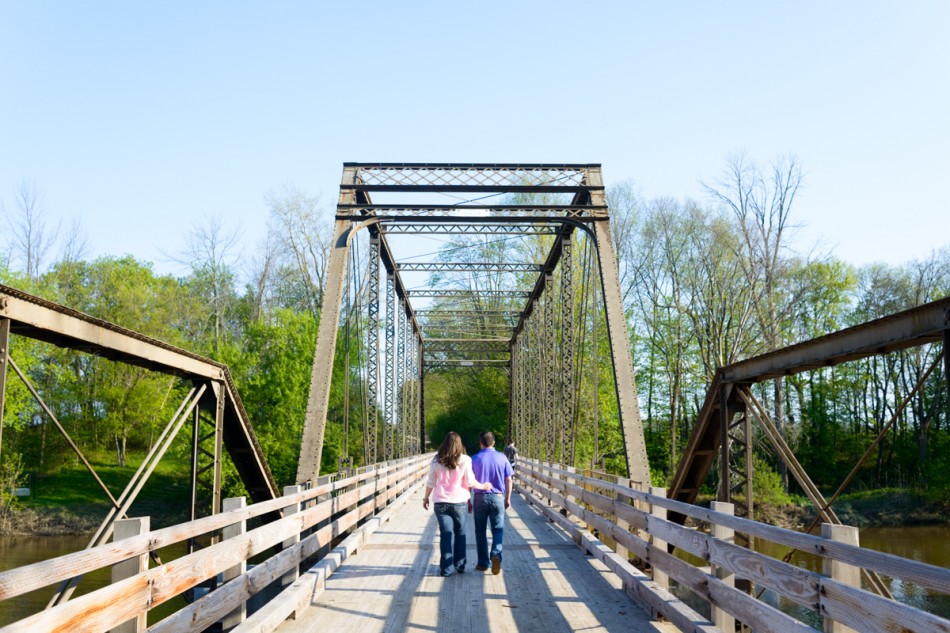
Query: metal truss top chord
{"points": [[466, 313], [464, 362], [405, 228], [432, 292], [466, 266], [473, 175], [493, 213]]}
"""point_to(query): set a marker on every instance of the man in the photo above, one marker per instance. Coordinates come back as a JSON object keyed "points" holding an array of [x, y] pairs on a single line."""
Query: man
{"points": [[489, 506], [511, 452]]}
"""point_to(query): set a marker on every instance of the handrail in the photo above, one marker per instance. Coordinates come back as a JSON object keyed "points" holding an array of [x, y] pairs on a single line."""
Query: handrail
{"points": [[340, 504], [582, 497]]}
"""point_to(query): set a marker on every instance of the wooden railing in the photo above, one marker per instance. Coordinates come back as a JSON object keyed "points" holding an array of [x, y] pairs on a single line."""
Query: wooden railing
{"points": [[635, 521], [336, 508]]}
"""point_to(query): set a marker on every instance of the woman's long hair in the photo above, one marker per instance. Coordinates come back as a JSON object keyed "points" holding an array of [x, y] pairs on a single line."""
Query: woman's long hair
{"points": [[451, 450]]}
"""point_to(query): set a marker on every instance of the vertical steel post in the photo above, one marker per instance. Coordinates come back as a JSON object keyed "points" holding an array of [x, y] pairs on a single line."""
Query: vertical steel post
{"points": [[4, 354], [389, 406], [400, 374], [567, 352], [422, 396], [371, 432], [512, 386], [219, 396], [551, 410], [315, 421]]}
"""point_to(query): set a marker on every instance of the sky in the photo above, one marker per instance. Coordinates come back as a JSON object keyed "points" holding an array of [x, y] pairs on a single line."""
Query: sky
{"points": [[145, 120]]}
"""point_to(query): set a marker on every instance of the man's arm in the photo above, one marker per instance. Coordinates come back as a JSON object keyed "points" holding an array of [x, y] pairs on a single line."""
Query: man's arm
{"points": [[507, 492]]}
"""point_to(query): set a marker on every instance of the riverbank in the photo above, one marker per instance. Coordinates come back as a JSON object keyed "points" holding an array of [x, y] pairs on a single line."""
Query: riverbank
{"points": [[879, 508]]}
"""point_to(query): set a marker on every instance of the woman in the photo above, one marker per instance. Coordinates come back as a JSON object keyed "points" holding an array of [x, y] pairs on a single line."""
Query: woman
{"points": [[450, 478]]}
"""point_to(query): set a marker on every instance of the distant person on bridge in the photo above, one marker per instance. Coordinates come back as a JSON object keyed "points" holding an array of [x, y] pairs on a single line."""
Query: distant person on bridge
{"points": [[511, 452], [449, 482], [489, 506]]}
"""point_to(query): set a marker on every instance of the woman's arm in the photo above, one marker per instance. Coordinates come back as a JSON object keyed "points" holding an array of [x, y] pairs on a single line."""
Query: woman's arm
{"points": [[425, 499]]}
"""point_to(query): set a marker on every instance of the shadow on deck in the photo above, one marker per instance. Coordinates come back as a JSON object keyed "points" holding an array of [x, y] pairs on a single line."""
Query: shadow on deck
{"points": [[547, 583]]}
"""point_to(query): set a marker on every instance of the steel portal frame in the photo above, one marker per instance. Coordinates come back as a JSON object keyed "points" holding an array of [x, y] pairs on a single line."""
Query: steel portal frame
{"points": [[536, 349]]}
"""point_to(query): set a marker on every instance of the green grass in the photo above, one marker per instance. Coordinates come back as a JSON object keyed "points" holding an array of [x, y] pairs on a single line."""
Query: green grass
{"points": [[72, 487]]}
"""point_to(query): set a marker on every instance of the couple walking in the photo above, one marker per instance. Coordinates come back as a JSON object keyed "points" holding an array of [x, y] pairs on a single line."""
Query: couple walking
{"points": [[451, 476]]}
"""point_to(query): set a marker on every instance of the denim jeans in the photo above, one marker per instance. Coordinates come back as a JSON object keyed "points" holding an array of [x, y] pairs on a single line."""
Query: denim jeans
{"points": [[489, 510], [451, 518]]}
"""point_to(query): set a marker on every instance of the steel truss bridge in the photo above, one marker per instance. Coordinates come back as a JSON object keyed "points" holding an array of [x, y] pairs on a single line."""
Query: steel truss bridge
{"points": [[523, 280]]}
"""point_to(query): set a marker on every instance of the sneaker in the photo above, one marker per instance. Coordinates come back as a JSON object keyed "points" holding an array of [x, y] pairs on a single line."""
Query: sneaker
{"points": [[460, 570], [481, 568], [496, 564]]}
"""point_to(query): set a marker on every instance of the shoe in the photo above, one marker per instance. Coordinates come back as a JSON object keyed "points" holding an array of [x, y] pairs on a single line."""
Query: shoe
{"points": [[460, 570], [481, 568], [496, 564]]}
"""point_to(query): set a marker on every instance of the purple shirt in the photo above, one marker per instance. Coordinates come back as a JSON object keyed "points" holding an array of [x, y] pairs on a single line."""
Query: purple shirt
{"points": [[492, 466]]}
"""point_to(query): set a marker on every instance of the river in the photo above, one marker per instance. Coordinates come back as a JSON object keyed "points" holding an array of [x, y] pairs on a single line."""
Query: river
{"points": [[929, 544]]}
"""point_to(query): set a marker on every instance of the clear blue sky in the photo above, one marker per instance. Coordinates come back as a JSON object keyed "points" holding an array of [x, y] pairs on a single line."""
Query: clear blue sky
{"points": [[144, 118]]}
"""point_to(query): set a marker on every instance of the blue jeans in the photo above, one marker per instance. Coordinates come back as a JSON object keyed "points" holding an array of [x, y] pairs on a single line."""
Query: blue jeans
{"points": [[489, 509], [451, 517]]}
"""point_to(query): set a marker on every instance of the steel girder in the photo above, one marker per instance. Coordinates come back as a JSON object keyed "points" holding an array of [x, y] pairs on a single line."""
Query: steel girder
{"points": [[468, 266], [567, 352], [540, 178], [389, 406], [454, 294], [497, 213], [370, 431], [622, 359], [407, 228]]}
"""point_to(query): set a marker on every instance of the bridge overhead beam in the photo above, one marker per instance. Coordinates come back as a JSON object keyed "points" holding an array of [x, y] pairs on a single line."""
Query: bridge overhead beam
{"points": [[468, 267], [910, 328], [448, 213]]}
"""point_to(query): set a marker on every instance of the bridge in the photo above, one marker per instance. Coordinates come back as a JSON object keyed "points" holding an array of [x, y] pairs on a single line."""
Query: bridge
{"points": [[353, 550]]}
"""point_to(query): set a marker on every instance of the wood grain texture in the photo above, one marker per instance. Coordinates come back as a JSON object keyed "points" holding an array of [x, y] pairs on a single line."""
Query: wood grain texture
{"points": [[392, 584]]}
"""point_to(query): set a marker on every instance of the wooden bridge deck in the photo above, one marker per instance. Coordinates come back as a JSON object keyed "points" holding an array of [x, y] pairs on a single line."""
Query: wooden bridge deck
{"points": [[547, 584]]}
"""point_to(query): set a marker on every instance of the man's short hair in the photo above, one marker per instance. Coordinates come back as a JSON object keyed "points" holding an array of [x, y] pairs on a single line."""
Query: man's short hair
{"points": [[487, 438]]}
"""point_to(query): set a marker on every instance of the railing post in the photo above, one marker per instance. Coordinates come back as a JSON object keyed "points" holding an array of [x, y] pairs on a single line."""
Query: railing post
{"points": [[842, 572], [721, 618], [127, 528], [236, 529], [659, 577], [291, 576], [623, 525]]}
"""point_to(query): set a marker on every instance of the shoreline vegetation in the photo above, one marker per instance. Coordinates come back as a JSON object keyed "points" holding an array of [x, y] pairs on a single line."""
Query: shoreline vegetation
{"points": [[886, 508]]}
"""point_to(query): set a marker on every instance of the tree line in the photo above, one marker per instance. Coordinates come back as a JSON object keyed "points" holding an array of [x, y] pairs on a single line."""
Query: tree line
{"points": [[704, 284]]}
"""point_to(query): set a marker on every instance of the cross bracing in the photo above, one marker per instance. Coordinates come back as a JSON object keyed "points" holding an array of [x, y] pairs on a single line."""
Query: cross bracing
{"points": [[434, 292], [503, 292], [479, 228], [468, 266]]}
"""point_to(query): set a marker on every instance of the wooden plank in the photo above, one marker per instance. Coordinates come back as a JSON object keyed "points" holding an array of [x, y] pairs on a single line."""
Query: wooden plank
{"points": [[928, 576], [869, 613], [742, 606], [15, 582]]}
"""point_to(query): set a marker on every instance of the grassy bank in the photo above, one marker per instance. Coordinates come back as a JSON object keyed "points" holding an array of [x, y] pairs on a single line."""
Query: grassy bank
{"points": [[70, 501]]}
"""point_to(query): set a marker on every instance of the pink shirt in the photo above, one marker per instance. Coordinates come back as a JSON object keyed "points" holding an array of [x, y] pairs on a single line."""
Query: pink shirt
{"points": [[451, 486]]}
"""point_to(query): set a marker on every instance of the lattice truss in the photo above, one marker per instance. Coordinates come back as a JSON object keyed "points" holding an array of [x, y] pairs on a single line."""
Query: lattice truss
{"points": [[488, 266]]}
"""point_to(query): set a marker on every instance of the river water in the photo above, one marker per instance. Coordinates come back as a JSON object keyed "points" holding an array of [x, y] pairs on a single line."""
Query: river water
{"points": [[929, 544], [16, 551]]}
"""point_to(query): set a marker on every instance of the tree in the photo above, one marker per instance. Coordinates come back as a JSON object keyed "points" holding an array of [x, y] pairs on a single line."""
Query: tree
{"points": [[301, 234], [30, 238], [762, 204]]}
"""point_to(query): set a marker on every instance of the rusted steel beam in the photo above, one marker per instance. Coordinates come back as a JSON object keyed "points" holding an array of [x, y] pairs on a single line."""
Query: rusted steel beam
{"points": [[910, 328], [43, 320]]}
